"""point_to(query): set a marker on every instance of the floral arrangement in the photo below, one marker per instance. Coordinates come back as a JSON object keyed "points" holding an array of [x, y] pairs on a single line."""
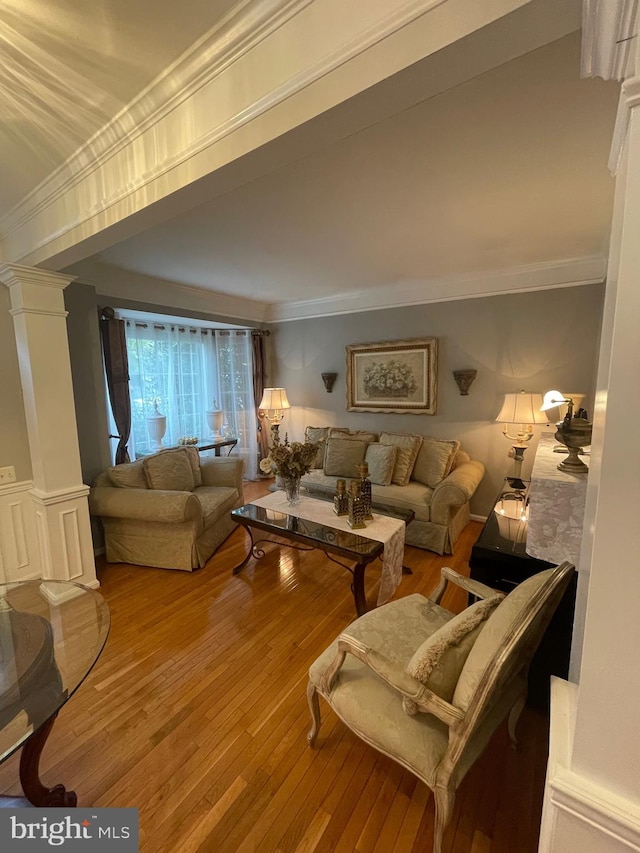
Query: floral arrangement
{"points": [[389, 378], [289, 460]]}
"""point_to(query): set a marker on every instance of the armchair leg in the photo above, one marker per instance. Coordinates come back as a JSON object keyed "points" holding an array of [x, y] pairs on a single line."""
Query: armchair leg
{"points": [[444, 799], [514, 716], [314, 707]]}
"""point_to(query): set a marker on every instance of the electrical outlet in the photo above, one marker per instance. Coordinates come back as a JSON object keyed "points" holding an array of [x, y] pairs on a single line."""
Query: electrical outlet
{"points": [[7, 475]]}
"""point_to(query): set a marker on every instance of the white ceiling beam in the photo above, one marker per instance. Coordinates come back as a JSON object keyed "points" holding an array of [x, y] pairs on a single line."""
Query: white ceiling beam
{"points": [[152, 161], [609, 38]]}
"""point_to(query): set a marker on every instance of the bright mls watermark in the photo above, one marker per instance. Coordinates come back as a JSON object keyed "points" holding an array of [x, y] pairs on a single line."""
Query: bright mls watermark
{"points": [[79, 830]]}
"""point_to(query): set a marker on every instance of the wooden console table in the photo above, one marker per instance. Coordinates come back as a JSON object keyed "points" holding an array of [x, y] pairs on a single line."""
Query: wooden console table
{"points": [[501, 558]]}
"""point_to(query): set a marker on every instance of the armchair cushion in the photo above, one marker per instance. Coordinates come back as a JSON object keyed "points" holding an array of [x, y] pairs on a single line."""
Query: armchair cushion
{"points": [[408, 446], [129, 475], [170, 471], [434, 461], [381, 459], [438, 662], [215, 501]]}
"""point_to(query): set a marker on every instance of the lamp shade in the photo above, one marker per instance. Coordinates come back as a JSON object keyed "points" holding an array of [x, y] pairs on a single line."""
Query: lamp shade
{"points": [[556, 399], [274, 399], [553, 399], [522, 408]]}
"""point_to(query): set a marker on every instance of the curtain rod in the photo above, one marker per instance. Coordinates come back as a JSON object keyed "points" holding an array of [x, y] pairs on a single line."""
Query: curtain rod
{"points": [[195, 331]]}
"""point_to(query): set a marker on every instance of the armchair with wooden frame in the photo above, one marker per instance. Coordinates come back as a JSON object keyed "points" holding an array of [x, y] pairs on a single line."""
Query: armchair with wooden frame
{"points": [[428, 688]]}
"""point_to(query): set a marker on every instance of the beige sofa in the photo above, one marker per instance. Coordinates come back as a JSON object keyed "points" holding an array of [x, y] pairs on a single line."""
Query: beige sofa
{"points": [[170, 510], [432, 477]]}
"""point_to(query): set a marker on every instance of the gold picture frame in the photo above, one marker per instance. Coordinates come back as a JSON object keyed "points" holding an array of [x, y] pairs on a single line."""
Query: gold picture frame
{"points": [[393, 376]]}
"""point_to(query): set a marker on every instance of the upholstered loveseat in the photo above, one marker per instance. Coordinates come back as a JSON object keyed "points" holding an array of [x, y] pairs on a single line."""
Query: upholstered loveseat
{"points": [[432, 477], [170, 510]]}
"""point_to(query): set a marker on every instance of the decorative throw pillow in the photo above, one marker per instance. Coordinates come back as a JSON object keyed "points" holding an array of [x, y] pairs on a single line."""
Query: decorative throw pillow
{"points": [[357, 434], [408, 446], [342, 457], [169, 470], [438, 662], [381, 459], [129, 475], [317, 434], [193, 455], [434, 461]]}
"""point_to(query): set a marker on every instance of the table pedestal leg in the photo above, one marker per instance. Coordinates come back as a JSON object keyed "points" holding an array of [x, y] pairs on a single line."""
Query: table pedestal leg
{"points": [[37, 793], [357, 588]]}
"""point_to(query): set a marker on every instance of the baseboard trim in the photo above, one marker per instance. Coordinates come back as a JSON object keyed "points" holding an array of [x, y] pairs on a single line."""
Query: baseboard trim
{"points": [[576, 805]]}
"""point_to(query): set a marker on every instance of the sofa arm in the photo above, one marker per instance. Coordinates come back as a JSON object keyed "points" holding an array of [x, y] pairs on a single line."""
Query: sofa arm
{"points": [[222, 471], [144, 504], [455, 490]]}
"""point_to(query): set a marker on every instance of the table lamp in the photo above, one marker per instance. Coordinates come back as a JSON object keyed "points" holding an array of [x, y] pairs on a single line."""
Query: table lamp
{"points": [[523, 410], [574, 431], [274, 402]]}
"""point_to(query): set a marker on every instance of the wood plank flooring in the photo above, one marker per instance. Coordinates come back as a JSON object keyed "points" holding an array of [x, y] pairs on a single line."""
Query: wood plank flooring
{"points": [[196, 714]]}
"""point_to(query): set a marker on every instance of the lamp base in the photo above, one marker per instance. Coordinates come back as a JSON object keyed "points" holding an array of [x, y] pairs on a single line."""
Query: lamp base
{"points": [[573, 465], [517, 484]]}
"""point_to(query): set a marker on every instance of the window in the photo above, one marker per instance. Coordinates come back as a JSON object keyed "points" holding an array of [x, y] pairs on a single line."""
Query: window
{"points": [[183, 371]]}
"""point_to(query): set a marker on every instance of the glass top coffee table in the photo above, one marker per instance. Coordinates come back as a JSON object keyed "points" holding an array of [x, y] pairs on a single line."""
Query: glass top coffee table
{"points": [[305, 535], [51, 635]]}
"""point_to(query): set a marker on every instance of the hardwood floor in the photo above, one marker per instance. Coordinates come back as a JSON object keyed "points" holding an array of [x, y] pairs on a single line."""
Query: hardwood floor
{"points": [[196, 714]]}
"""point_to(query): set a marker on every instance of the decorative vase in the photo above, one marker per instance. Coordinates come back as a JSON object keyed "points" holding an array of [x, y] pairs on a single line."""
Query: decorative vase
{"points": [[356, 507], [365, 490], [215, 417], [156, 427], [292, 490], [341, 498]]}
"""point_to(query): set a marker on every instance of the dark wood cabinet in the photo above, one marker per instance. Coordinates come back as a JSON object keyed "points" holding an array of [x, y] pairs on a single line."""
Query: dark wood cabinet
{"points": [[499, 559]]}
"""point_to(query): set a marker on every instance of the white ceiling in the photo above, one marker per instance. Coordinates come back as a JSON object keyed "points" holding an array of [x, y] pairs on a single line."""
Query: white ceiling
{"points": [[501, 172]]}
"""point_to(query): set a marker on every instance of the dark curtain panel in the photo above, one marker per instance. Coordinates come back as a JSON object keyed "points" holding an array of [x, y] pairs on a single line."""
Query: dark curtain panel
{"points": [[257, 341], [116, 362]]}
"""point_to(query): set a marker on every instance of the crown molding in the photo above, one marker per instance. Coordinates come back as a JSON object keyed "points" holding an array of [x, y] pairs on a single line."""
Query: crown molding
{"points": [[242, 30], [609, 37], [572, 272], [112, 282]]}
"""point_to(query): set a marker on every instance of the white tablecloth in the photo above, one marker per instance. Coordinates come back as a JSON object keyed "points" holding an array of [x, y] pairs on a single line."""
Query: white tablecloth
{"points": [[389, 531]]}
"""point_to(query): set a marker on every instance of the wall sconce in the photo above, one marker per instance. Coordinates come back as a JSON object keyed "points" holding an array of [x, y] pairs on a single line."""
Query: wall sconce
{"points": [[523, 410], [274, 402], [464, 378], [329, 379]]}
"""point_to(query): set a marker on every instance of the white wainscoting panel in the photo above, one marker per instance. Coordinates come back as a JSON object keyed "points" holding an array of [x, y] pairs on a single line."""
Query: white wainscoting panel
{"points": [[19, 552]]}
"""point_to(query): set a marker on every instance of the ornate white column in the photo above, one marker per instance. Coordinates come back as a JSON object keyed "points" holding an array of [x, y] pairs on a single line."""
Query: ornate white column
{"points": [[58, 493], [592, 792]]}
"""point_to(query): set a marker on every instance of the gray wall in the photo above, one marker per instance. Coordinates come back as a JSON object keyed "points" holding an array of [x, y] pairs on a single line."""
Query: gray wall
{"points": [[536, 341], [14, 444], [83, 332]]}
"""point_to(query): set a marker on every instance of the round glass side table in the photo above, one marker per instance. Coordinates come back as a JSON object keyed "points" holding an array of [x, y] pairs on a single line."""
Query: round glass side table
{"points": [[51, 634]]}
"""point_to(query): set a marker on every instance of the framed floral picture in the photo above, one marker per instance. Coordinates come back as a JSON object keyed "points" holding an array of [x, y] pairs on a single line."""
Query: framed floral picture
{"points": [[393, 376]]}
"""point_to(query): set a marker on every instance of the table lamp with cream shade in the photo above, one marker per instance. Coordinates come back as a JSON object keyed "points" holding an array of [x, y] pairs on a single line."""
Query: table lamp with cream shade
{"points": [[520, 410], [274, 402]]}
